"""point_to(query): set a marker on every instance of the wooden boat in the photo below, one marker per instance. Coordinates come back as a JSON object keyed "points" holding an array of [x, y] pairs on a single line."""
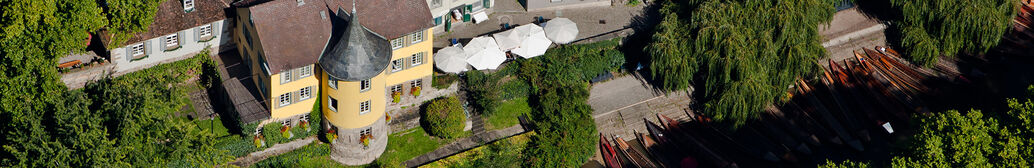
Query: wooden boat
{"points": [[636, 158], [653, 150], [799, 115], [609, 155], [777, 133], [831, 121], [697, 147], [874, 90], [774, 117], [840, 106]]}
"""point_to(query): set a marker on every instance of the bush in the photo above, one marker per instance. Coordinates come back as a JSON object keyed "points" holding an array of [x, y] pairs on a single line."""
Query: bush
{"points": [[442, 81], [515, 89], [483, 89], [444, 117]]}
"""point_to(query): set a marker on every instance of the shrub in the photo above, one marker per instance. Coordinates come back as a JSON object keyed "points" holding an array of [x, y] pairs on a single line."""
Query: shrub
{"points": [[483, 89], [444, 117], [442, 81], [515, 89]]}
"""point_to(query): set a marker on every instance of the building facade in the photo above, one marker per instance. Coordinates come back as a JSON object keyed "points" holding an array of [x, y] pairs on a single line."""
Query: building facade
{"points": [[180, 30], [445, 13], [355, 60]]}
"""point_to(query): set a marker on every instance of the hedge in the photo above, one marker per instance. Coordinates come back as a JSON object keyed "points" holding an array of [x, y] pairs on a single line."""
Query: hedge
{"points": [[444, 117]]}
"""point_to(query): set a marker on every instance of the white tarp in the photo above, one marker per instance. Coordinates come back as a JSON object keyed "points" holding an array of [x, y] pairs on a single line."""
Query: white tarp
{"points": [[480, 17], [483, 53], [534, 45], [451, 59], [561, 30]]}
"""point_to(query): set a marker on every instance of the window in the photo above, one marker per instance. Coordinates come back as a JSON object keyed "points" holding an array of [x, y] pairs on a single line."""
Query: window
{"points": [[417, 83], [305, 71], [364, 107], [416, 37], [285, 77], [305, 93], [436, 3], [172, 40], [138, 49], [364, 85], [206, 31], [332, 83], [437, 20], [286, 123], [396, 65], [332, 104], [396, 43], [285, 99], [396, 88], [188, 5], [417, 59]]}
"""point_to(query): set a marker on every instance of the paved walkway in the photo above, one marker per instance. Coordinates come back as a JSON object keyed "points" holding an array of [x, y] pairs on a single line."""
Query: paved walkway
{"points": [[591, 21], [277, 149], [463, 145]]}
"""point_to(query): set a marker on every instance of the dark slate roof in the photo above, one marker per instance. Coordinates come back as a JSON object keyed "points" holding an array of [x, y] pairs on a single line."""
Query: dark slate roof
{"points": [[244, 103], [291, 36], [357, 54], [171, 19], [390, 18]]}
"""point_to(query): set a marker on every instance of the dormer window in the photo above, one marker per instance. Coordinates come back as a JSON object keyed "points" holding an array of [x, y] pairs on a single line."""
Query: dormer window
{"points": [[188, 5], [301, 2]]}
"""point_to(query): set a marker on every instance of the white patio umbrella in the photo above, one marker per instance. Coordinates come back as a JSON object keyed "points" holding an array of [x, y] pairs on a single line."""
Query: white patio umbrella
{"points": [[451, 60], [535, 45], [483, 53], [507, 40], [561, 30]]}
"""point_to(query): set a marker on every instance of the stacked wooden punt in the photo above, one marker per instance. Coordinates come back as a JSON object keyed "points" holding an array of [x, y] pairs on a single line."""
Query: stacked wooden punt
{"points": [[1021, 37], [854, 103]]}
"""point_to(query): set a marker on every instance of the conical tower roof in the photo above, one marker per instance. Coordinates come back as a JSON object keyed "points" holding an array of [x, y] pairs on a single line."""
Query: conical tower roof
{"points": [[358, 54]]}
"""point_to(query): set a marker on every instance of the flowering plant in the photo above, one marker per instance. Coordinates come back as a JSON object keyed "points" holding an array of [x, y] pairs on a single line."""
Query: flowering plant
{"points": [[304, 124], [286, 132], [415, 91], [331, 135], [396, 97], [259, 142], [387, 118], [366, 139]]}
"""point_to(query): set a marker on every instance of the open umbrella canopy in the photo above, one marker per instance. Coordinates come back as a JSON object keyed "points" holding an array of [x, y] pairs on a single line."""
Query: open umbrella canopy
{"points": [[511, 39], [483, 53], [451, 60], [561, 30], [535, 45]]}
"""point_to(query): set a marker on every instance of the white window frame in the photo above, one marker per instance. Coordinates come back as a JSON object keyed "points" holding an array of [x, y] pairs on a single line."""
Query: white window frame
{"points": [[188, 5], [172, 40], [397, 65], [417, 82], [417, 59], [305, 93], [332, 103], [284, 99], [332, 83], [285, 77], [138, 49], [364, 107], [205, 31], [416, 37], [396, 88], [364, 85], [305, 71], [397, 43]]}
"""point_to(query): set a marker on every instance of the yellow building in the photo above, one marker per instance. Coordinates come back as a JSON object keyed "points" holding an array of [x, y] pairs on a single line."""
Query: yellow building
{"points": [[356, 59]]}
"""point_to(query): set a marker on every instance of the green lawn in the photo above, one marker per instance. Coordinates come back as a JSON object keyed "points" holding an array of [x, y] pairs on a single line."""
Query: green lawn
{"points": [[214, 125], [506, 114], [502, 153], [409, 144]]}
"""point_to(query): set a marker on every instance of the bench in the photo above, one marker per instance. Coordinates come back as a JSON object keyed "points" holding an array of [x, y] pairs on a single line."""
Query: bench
{"points": [[69, 64]]}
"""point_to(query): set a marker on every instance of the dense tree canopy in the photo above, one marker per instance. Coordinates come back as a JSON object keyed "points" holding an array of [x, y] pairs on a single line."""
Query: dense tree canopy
{"points": [[974, 139], [935, 28], [740, 55], [129, 16]]}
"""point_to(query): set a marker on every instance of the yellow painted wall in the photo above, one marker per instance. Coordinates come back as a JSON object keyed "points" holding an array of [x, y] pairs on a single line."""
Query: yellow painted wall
{"points": [[418, 71], [348, 96], [301, 107]]}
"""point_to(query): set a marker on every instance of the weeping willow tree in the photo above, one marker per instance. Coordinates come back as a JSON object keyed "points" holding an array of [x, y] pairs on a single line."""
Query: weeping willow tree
{"points": [[933, 28], [742, 54]]}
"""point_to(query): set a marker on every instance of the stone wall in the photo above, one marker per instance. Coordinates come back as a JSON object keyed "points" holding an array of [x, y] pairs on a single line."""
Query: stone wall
{"points": [[349, 150]]}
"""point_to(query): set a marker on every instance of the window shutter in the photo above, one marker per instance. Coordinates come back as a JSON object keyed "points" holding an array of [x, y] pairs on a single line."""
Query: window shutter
{"points": [[162, 43], [147, 47], [295, 95], [129, 53], [217, 29], [183, 39], [197, 33]]}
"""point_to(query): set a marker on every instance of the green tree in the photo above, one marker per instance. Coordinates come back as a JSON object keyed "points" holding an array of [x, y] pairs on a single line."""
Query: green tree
{"points": [[129, 16], [935, 28], [973, 139], [740, 55], [35, 34], [444, 117], [845, 164]]}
